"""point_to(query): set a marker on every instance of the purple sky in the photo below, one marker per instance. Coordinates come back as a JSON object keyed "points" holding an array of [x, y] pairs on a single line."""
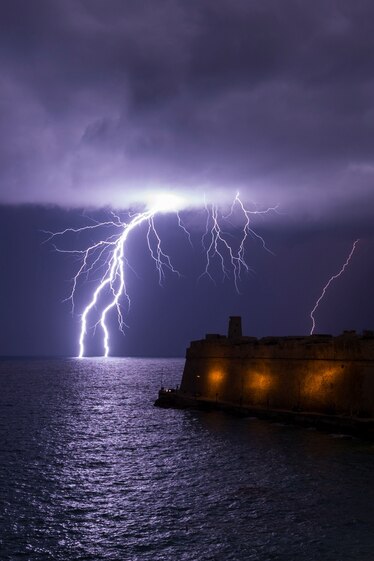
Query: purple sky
{"points": [[103, 101]]}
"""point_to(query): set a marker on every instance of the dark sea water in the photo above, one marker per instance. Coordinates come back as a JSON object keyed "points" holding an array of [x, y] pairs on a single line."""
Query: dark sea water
{"points": [[91, 470]]}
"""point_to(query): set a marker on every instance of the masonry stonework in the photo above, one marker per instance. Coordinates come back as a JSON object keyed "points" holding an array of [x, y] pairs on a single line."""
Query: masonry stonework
{"points": [[318, 373]]}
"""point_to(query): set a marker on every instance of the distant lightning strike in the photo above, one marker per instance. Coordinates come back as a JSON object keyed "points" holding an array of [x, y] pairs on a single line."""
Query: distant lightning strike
{"points": [[334, 277], [109, 254]]}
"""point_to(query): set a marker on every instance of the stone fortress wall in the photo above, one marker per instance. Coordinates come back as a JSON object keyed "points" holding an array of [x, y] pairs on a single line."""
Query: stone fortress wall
{"points": [[317, 373]]}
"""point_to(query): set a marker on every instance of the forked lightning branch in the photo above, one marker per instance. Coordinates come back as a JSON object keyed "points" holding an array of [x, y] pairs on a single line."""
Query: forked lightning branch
{"points": [[110, 294]]}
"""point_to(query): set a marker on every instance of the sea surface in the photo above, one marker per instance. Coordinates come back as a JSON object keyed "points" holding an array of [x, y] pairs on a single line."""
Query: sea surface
{"points": [[91, 470]]}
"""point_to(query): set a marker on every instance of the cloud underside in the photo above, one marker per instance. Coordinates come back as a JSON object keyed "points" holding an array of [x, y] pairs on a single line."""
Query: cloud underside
{"points": [[104, 102]]}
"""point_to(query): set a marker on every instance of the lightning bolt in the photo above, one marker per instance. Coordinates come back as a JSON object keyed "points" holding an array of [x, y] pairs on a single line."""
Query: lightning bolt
{"points": [[114, 261], [331, 279], [216, 242], [108, 255]]}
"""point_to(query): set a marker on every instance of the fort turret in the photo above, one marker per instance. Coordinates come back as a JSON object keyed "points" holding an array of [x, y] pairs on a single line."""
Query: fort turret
{"points": [[235, 327]]}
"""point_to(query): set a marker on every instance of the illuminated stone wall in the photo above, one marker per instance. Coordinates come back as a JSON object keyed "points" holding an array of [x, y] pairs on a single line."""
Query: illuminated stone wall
{"points": [[305, 374]]}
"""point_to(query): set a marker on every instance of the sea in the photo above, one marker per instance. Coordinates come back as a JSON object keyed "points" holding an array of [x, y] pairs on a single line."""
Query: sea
{"points": [[91, 470]]}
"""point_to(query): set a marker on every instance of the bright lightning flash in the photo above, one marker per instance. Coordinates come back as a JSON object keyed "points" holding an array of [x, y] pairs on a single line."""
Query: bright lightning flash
{"points": [[109, 254], [334, 277]]}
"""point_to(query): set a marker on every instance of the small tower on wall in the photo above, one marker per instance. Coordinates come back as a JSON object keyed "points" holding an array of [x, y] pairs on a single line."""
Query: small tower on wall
{"points": [[235, 327]]}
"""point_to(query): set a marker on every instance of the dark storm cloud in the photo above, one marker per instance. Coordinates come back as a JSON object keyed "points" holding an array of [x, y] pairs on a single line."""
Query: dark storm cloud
{"points": [[101, 100]]}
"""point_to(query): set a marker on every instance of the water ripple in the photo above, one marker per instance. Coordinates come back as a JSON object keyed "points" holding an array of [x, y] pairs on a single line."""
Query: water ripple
{"points": [[90, 470]]}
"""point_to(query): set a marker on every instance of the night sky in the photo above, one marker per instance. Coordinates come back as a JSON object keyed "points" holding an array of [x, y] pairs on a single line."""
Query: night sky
{"points": [[104, 102]]}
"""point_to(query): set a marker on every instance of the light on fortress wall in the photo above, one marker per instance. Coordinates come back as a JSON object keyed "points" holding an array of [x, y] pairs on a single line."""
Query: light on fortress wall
{"points": [[260, 381], [321, 381], [216, 376]]}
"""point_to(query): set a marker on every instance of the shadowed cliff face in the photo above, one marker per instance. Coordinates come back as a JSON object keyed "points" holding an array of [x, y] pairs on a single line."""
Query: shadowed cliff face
{"points": [[326, 375]]}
